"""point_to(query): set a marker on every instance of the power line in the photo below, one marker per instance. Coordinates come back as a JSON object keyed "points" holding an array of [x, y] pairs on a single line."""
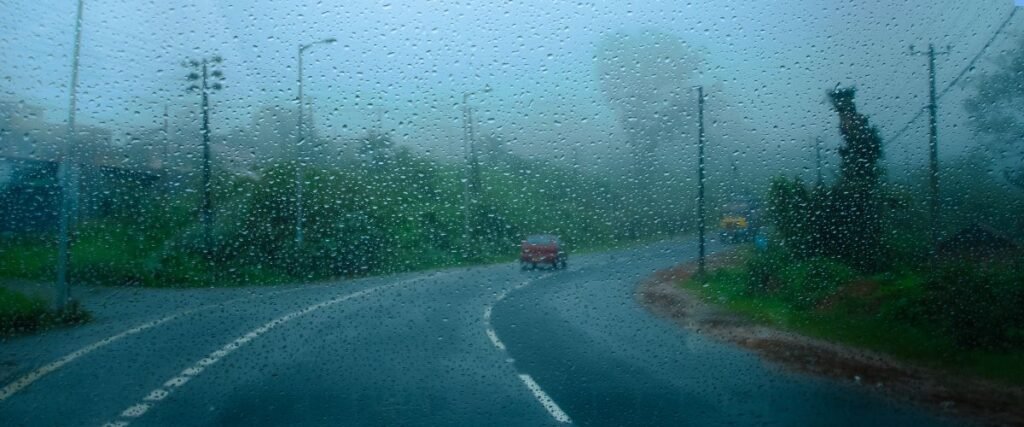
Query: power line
{"points": [[970, 65]]}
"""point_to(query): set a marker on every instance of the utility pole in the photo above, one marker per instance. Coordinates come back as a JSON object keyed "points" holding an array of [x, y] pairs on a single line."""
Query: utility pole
{"points": [[817, 160], [164, 156], [300, 159], [471, 184], [701, 224], [466, 144], [474, 159], [68, 178], [933, 144], [202, 75]]}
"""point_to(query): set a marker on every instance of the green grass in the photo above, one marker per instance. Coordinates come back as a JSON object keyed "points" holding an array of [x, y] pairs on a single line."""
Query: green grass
{"points": [[872, 323], [28, 258], [21, 314], [113, 254]]}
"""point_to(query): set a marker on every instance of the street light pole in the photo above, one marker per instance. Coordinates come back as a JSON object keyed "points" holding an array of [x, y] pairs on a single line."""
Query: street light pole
{"points": [[471, 180], [68, 177], [202, 76], [299, 159], [701, 224]]}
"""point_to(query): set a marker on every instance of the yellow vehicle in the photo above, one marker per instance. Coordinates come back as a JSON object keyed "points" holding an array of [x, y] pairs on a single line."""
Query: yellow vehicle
{"points": [[739, 222]]}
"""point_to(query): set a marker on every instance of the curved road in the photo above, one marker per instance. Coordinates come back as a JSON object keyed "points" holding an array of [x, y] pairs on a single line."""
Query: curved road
{"points": [[479, 346]]}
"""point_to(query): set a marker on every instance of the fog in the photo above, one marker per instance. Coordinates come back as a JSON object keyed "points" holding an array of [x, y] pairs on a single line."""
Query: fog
{"points": [[403, 67]]}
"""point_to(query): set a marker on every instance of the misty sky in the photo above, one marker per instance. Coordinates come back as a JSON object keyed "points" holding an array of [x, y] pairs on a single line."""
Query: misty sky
{"points": [[411, 61]]}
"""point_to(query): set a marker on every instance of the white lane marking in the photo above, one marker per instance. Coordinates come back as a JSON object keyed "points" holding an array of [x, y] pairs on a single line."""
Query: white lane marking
{"points": [[181, 379], [494, 339], [545, 400], [155, 395], [31, 377], [135, 411]]}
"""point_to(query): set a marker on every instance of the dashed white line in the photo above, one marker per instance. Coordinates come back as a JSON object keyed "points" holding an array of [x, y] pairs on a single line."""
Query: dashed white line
{"points": [[31, 377], [176, 382], [545, 400]]}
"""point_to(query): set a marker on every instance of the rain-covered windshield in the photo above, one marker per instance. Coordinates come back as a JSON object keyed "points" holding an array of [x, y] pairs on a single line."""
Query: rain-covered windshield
{"points": [[541, 240], [611, 213]]}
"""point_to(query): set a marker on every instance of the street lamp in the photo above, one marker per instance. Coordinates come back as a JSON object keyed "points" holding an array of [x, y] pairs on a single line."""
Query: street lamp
{"points": [[701, 223], [68, 175], [298, 147], [471, 183]]}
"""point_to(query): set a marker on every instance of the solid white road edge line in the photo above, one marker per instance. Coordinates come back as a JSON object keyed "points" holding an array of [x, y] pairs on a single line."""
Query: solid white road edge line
{"points": [[31, 377], [137, 410]]}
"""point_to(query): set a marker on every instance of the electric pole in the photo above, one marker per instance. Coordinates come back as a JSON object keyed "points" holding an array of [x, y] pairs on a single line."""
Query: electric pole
{"points": [[471, 184], [474, 159], [202, 76], [164, 156], [300, 158], [701, 224], [68, 178], [817, 160], [933, 144]]}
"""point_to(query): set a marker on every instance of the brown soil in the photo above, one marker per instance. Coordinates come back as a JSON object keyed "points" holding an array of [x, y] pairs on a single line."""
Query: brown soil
{"points": [[954, 395]]}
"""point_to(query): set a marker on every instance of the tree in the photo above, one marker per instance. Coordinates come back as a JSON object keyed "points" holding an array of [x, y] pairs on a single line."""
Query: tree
{"points": [[997, 110], [856, 199], [647, 80], [843, 221]]}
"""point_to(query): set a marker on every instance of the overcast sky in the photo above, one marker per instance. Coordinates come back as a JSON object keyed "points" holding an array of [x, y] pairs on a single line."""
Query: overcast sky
{"points": [[412, 60]]}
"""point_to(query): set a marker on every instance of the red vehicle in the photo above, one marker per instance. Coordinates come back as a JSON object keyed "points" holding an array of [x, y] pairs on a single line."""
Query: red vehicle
{"points": [[542, 249]]}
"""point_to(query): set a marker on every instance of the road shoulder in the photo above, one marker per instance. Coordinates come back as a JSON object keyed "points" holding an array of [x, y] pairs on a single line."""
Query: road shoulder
{"points": [[977, 399]]}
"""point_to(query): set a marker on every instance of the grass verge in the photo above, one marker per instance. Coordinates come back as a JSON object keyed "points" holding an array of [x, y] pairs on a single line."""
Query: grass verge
{"points": [[21, 314], [880, 313]]}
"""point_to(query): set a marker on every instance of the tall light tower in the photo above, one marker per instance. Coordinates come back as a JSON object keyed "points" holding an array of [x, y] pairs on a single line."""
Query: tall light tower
{"points": [[300, 135], [471, 182], [701, 223], [206, 79], [68, 177]]}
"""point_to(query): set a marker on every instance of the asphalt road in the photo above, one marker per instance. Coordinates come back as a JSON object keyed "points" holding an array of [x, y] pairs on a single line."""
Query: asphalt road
{"points": [[481, 346]]}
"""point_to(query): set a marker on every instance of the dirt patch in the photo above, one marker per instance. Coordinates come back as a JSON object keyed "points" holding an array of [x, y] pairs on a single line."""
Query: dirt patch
{"points": [[973, 398]]}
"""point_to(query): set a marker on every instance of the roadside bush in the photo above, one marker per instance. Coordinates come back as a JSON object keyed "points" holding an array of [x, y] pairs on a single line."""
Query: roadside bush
{"points": [[809, 282], [979, 306], [20, 314], [764, 270], [903, 295], [801, 284]]}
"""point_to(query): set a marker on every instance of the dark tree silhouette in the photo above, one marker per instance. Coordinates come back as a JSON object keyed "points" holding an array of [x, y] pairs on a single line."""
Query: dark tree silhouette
{"points": [[856, 198], [996, 111], [843, 221]]}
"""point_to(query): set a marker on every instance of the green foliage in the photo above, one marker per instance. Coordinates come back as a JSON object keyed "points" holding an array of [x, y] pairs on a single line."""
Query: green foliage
{"points": [[20, 314], [389, 211], [965, 317], [790, 209], [801, 283], [979, 305], [844, 221]]}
